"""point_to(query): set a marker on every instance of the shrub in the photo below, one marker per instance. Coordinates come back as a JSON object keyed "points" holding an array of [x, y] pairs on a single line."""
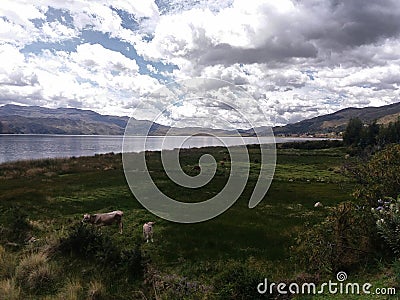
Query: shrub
{"points": [[379, 176], [88, 243], [388, 224], [34, 273], [19, 227], [133, 262], [238, 281], [9, 290], [344, 240]]}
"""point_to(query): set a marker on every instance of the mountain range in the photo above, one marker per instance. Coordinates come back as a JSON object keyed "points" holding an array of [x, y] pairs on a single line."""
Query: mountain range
{"points": [[15, 119], [337, 121]]}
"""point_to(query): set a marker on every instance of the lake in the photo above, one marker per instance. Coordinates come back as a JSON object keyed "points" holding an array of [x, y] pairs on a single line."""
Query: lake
{"points": [[26, 146]]}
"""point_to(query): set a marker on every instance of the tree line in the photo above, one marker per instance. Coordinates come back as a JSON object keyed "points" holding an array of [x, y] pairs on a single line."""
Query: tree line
{"points": [[360, 135]]}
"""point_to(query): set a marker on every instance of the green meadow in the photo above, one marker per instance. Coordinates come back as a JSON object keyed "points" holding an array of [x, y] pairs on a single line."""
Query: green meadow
{"points": [[42, 203]]}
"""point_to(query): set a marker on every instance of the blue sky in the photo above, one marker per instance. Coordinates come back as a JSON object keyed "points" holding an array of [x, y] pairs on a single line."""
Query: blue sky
{"points": [[296, 59]]}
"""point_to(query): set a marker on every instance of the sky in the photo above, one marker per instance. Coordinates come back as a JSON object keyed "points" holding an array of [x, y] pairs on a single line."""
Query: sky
{"points": [[297, 59]]}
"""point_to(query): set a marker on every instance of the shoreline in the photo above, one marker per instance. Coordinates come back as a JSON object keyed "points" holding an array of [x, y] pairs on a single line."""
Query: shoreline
{"points": [[279, 145]]}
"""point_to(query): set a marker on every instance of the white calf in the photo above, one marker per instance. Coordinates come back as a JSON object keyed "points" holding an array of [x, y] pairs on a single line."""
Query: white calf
{"points": [[148, 231]]}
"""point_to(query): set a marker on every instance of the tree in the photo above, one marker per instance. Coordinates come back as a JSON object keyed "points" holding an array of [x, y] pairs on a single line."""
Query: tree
{"points": [[372, 133], [378, 177], [353, 132]]}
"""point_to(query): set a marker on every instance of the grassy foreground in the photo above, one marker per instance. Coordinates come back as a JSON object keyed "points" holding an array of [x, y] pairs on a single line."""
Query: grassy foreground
{"points": [[45, 253]]}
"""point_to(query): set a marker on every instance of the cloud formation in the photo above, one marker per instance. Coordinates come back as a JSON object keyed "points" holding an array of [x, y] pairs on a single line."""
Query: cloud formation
{"points": [[298, 58]]}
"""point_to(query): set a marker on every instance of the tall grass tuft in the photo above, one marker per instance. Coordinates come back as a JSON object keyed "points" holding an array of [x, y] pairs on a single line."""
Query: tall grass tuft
{"points": [[72, 290], [9, 290], [34, 273], [7, 263], [96, 291]]}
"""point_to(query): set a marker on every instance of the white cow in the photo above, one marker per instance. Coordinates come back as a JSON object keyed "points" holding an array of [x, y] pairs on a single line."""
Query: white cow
{"points": [[318, 204], [105, 219], [148, 231]]}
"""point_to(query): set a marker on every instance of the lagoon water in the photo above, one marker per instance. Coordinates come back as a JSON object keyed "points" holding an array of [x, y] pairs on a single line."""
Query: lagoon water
{"points": [[23, 147]]}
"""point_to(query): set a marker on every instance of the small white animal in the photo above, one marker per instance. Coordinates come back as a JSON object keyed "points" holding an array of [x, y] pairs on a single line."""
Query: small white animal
{"points": [[148, 231], [318, 204]]}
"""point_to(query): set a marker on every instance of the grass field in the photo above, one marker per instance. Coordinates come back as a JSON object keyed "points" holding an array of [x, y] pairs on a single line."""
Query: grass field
{"points": [[46, 199]]}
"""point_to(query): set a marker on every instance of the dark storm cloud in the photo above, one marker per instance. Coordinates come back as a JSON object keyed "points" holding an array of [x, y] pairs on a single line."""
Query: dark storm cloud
{"points": [[350, 23], [272, 51], [314, 30]]}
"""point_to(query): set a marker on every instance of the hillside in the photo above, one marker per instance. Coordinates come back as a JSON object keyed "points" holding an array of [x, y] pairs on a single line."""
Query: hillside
{"points": [[40, 120], [15, 119], [337, 121]]}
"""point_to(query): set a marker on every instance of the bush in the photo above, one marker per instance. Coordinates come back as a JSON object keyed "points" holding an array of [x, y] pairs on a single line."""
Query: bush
{"points": [[238, 281], [388, 224], [133, 262], [34, 273], [88, 243], [19, 228], [342, 242], [378, 177]]}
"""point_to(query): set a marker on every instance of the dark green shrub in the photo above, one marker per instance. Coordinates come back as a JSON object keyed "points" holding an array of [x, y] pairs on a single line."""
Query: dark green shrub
{"points": [[88, 242], [133, 262], [342, 242], [238, 281], [19, 225], [379, 176]]}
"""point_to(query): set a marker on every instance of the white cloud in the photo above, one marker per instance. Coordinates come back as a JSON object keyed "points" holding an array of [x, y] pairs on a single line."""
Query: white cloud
{"points": [[298, 59], [92, 77]]}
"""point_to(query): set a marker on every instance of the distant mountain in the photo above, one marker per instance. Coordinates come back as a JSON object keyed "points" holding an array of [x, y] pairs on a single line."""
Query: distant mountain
{"points": [[337, 122], [39, 120]]}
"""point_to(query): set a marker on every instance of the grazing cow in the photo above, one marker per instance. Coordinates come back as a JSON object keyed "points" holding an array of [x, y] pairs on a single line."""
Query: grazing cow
{"points": [[105, 219], [318, 204], [148, 231]]}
